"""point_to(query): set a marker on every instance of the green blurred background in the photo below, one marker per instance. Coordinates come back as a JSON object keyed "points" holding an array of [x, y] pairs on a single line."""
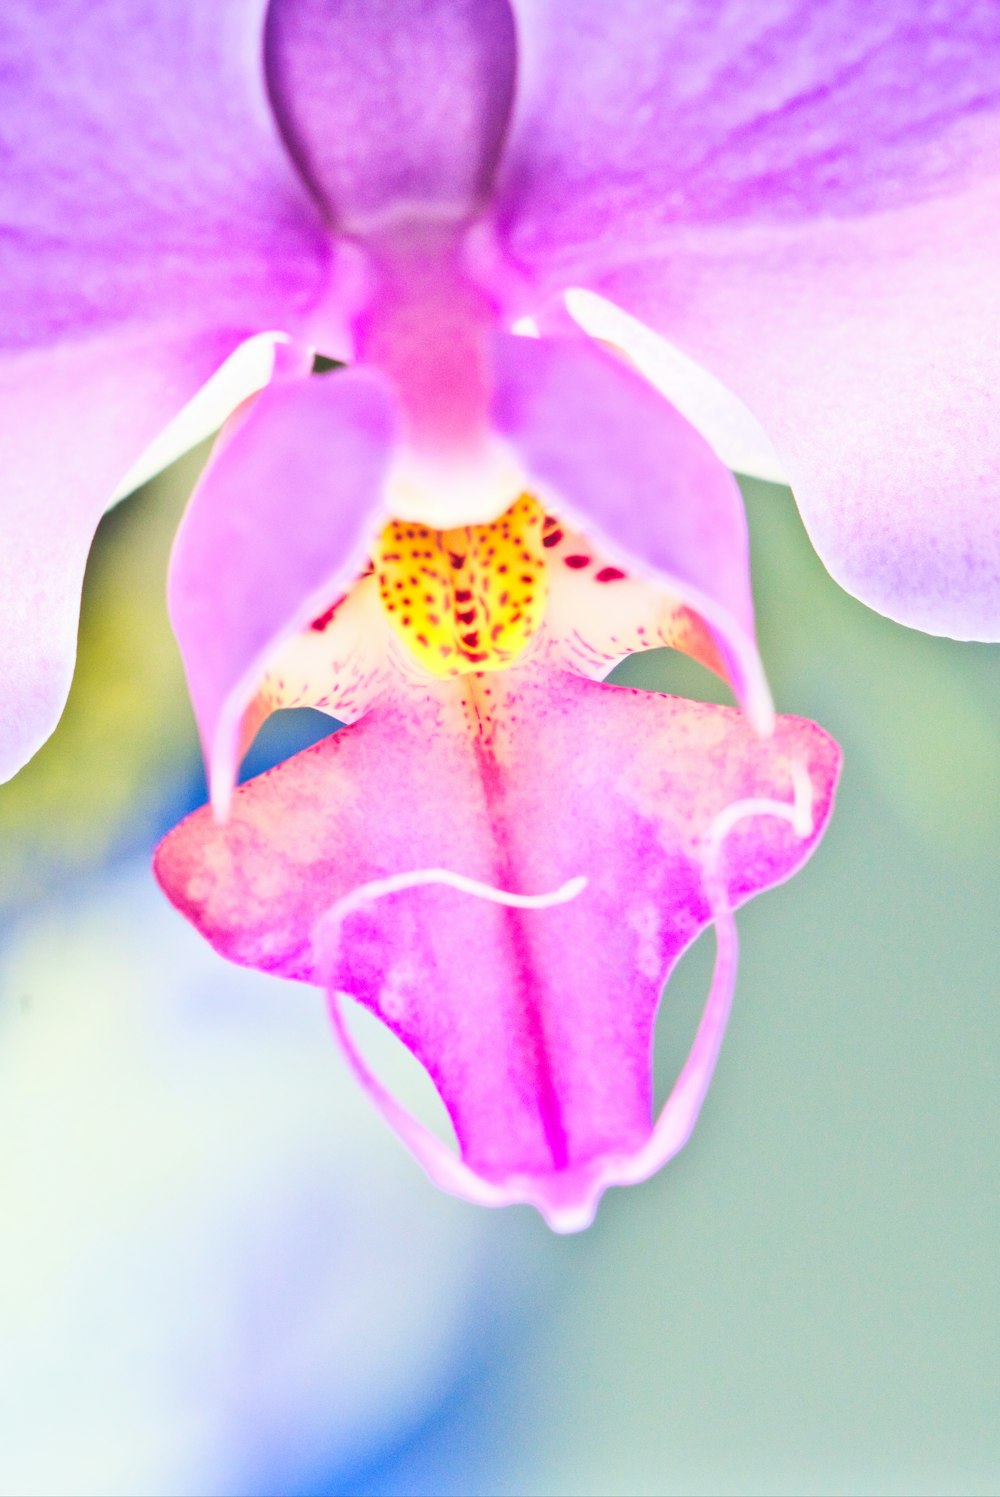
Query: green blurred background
{"points": [[805, 1300]]}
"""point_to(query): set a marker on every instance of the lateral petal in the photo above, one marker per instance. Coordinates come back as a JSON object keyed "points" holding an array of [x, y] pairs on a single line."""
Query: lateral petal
{"points": [[151, 221], [276, 531], [609, 454]]}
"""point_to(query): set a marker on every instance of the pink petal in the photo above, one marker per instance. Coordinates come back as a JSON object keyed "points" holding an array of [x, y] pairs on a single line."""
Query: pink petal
{"points": [[608, 453], [396, 109], [150, 220], [72, 422], [804, 199], [276, 531], [637, 119], [534, 1023], [144, 180], [885, 414]]}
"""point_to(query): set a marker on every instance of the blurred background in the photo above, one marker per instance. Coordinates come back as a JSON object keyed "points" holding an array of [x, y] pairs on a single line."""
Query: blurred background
{"points": [[219, 1273]]}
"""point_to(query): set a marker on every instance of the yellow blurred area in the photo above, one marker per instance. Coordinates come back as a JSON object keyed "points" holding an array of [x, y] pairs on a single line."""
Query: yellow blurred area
{"points": [[126, 741]]}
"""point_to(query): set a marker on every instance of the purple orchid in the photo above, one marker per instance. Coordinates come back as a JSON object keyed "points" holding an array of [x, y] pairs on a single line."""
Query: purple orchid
{"points": [[503, 859], [804, 199]]}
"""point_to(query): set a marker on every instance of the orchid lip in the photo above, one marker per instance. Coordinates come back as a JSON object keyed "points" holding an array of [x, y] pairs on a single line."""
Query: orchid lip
{"points": [[568, 1198], [621, 824]]}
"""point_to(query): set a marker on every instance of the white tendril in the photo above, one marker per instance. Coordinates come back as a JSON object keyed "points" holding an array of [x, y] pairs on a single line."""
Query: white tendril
{"points": [[395, 883], [679, 1114], [798, 812], [443, 1167]]}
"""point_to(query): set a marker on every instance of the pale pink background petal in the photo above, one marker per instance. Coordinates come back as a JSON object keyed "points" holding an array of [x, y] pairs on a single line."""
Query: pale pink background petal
{"points": [[150, 219], [144, 177], [870, 353], [637, 118]]}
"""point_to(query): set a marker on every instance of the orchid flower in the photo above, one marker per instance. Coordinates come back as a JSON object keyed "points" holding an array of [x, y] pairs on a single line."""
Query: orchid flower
{"points": [[803, 199]]}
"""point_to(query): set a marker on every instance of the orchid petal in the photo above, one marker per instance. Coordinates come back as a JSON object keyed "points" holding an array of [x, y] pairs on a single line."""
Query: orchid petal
{"points": [[605, 451], [74, 421], [875, 373], [276, 531], [636, 120], [392, 110], [804, 200], [144, 180], [133, 259], [535, 1023]]}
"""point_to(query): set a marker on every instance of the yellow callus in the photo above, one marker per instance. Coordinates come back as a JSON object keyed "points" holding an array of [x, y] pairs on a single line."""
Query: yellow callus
{"points": [[467, 599]]}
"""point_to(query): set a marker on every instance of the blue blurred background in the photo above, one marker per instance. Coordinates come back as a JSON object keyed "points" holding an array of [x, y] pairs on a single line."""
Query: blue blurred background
{"points": [[220, 1273]]}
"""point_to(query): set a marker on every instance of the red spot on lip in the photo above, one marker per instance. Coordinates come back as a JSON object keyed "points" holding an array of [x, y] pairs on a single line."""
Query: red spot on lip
{"points": [[463, 595], [553, 538], [609, 574], [471, 639], [467, 616], [320, 623], [576, 562]]}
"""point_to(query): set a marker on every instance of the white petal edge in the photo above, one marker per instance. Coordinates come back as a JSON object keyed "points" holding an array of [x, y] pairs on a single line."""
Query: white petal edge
{"points": [[247, 370], [733, 433]]}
